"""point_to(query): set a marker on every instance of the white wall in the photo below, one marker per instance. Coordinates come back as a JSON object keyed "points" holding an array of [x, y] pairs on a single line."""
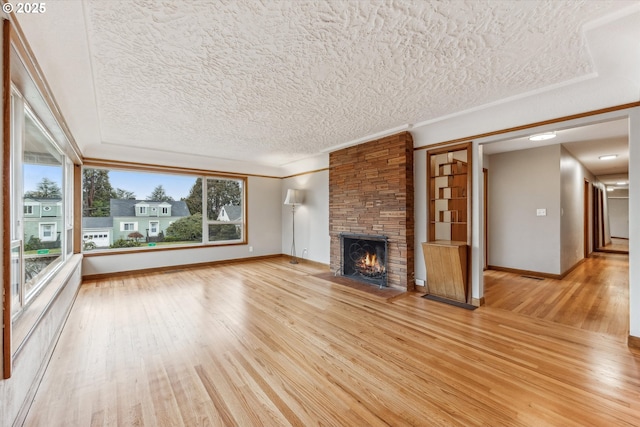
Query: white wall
{"points": [[619, 217], [264, 236], [312, 218], [520, 183], [29, 363], [572, 176]]}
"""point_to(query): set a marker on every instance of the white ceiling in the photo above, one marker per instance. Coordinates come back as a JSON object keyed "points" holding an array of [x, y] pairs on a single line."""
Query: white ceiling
{"points": [[586, 143], [276, 82]]}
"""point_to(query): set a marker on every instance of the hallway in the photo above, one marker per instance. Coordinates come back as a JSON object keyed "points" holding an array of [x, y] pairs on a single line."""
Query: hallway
{"points": [[593, 297]]}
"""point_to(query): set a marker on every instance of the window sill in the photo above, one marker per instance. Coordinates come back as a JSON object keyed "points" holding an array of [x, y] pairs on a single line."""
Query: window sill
{"points": [[145, 249], [28, 320]]}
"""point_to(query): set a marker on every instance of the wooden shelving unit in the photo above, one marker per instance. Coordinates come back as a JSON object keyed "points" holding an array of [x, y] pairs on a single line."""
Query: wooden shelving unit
{"points": [[449, 231]]}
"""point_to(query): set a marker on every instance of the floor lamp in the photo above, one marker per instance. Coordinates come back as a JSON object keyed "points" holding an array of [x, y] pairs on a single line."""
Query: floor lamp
{"points": [[294, 197]]}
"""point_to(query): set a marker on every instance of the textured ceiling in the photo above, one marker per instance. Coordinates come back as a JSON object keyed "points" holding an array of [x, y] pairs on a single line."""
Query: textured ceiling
{"points": [[277, 81]]}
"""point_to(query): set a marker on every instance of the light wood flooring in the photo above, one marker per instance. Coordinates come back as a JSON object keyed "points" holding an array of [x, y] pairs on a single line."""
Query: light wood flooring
{"points": [[594, 296], [617, 245], [267, 343]]}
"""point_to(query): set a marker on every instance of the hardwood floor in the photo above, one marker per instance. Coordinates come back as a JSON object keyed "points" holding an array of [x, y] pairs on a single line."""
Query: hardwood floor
{"points": [[594, 296], [272, 344], [617, 245]]}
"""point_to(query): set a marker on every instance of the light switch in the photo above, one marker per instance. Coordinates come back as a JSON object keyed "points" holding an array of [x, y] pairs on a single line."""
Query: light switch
{"points": [[541, 212]]}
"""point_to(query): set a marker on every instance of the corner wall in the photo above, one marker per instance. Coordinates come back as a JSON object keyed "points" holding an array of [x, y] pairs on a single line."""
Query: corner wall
{"points": [[312, 217]]}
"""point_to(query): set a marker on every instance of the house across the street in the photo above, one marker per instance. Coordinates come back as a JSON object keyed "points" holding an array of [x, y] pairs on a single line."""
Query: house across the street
{"points": [[148, 218]]}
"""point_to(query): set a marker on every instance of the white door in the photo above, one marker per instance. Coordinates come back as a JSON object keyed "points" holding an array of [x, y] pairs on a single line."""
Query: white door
{"points": [[154, 228]]}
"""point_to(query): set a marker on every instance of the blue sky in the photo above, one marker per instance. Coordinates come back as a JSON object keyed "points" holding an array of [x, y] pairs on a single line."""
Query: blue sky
{"points": [[141, 183], [33, 175]]}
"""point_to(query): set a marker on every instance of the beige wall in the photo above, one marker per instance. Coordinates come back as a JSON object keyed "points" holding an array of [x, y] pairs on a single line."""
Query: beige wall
{"points": [[312, 218], [619, 217], [572, 176], [520, 183]]}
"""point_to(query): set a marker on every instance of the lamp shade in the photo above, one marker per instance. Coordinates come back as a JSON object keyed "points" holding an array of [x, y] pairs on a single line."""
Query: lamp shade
{"points": [[294, 197]]}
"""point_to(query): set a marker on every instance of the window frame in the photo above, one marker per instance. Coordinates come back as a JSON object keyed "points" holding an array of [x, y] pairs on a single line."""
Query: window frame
{"points": [[169, 170], [129, 226], [31, 288]]}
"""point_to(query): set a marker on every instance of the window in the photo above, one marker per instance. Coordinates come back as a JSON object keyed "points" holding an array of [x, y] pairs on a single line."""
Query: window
{"points": [[230, 226], [40, 191], [129, 226], [113, 198]]}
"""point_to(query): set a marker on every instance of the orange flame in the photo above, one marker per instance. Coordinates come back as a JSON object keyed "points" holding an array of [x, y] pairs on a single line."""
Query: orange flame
{"points": [[370, 260]]}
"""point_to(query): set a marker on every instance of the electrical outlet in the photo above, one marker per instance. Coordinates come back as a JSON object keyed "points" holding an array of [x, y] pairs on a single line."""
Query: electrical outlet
{"points": [[250, 248]]}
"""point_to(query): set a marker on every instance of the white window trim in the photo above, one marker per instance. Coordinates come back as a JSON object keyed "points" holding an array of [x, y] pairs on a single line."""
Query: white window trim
{"points": [[135, 226]]}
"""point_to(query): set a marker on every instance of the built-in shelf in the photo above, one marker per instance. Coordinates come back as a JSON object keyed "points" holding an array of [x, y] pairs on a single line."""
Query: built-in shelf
{"points": [[446, 252]]}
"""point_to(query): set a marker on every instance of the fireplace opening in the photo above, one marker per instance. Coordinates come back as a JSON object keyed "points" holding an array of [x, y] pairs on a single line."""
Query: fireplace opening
{"points": [[364, 258]]}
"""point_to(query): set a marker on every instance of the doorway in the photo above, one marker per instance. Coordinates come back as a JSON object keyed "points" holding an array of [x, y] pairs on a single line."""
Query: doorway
{"points": [[581, 215]]}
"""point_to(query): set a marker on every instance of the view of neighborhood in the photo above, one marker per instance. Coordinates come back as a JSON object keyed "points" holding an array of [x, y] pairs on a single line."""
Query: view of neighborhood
{"points": [[118, 218]]}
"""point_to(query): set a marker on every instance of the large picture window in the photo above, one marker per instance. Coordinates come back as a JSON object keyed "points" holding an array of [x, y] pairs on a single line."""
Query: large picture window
{"points": [[151, 210], [40, 212]]}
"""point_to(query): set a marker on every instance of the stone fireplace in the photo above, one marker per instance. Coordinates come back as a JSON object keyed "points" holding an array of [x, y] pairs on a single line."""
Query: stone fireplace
{"points": [[371, 194]]}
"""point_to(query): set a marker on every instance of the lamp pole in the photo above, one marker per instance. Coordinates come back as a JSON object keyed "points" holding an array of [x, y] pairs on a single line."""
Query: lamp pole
{"points": [[294, 260]]}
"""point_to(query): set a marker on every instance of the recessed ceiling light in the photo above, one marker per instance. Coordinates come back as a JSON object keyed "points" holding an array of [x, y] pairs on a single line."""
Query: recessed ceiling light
{"points": [[542, 136], [608, 157], [609, 188], [621, 183]]}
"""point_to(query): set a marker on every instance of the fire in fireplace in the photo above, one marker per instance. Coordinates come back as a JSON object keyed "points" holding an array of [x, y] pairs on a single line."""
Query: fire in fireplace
{"points": [[364, 258]]}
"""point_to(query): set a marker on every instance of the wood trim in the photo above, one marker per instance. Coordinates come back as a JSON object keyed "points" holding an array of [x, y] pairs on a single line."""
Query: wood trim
{"points": [[485, 178], [478, 302], [6, 197], [305, 173], [526, 272], [596, 218], [573, 267], [533, 125], [315, 264], [442, 148], [612, 251], [585, 228], [77, 209], [146, 249], [633, 342], [537, 273], [602, 230], [176, 267], [147, 167]]}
